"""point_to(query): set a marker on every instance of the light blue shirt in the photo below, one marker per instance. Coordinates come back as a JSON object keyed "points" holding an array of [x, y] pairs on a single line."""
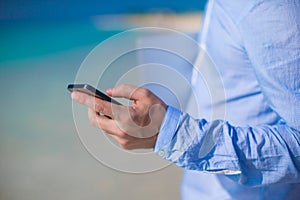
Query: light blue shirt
{"points": [[253, 152]]}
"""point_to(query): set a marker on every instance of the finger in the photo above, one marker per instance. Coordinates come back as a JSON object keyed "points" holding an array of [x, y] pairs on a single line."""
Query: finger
{"points": [[107, 125], [126, 91], [122, 142], [97, 104]]}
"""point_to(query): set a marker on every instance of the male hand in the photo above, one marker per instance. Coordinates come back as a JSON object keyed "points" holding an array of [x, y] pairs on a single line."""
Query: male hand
{"points": [[133, 127]]}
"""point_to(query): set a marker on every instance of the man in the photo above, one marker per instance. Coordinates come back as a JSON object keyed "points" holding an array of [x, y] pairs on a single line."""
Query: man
{"points": [[255, 150]]}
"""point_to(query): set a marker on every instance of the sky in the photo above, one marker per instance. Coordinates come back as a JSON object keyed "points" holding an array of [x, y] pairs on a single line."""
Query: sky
{"points": [[36, 10]]}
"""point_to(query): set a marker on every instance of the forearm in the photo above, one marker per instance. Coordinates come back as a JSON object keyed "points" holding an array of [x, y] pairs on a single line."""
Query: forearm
{"points": [[257, 155]]}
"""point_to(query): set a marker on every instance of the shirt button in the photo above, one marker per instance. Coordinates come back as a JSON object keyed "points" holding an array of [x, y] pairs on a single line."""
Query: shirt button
{"points": [[161, 153]]}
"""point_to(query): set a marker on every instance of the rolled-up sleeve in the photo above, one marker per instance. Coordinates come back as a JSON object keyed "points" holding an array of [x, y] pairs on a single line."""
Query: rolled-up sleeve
{"points": [[250, 155]]}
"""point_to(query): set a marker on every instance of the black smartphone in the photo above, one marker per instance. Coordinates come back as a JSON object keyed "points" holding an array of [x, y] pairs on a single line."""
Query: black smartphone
{"points": [[90, 90]]}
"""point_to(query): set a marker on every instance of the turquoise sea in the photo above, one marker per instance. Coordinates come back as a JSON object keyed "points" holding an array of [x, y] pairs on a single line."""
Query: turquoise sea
{"points": [[41, 154]]}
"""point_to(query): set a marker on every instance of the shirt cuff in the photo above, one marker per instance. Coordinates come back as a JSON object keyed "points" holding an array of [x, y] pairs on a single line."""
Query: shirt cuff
{"points": [[167, 130]]}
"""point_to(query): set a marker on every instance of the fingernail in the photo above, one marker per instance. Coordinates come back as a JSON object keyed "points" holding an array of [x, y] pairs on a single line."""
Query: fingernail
{"points": [[73, 95], [109, 91]]}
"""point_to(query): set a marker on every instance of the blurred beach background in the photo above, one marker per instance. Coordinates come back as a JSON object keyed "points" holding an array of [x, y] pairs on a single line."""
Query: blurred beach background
{"points": [[42, 45]]}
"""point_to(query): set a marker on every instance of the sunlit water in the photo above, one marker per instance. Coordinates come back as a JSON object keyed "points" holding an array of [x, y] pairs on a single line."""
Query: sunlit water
{"points": [[41, 154]]}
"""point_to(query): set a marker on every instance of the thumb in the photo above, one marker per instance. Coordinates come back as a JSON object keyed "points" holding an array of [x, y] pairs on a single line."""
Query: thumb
{"points": [[124, 91]]}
